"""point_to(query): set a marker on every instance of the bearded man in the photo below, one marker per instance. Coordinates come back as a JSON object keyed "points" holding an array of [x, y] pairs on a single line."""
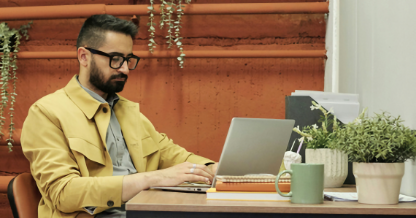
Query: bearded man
{"points": [[91, 150]]}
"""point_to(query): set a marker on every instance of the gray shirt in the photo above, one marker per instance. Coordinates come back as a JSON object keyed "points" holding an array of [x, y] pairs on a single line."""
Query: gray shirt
{"points": [[117, 148]]}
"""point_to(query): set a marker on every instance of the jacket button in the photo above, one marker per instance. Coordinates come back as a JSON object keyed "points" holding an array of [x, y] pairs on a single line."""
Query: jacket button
{"points": [[105, 109], [110, 203]]}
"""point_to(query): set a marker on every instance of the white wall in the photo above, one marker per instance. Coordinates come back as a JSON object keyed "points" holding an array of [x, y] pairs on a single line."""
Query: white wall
{"points": [[378, 60], [328, 46]]}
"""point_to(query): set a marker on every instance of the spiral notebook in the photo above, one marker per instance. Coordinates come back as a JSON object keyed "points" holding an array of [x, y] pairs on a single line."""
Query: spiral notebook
{"points": [[252, 178], [252, 183]]}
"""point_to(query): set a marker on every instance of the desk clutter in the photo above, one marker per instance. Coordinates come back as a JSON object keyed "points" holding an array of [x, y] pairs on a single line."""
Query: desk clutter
{"points": [[249, 187]]}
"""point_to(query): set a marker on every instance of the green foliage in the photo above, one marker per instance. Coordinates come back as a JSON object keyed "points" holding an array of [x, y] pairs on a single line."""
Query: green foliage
{"points": [[167, 12], [319, 136], [8, 67], [381, 138], [152, 44]]}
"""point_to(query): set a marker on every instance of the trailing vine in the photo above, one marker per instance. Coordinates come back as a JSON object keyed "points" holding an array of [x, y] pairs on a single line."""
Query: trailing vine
{"points": [[167, 12], [178, 26], [8, 72], [168, 21], [162, 14], [152, 29]]}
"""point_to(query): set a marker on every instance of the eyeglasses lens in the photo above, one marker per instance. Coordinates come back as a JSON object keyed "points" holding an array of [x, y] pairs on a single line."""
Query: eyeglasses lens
{"points": [[132, 62], [117, 62]]}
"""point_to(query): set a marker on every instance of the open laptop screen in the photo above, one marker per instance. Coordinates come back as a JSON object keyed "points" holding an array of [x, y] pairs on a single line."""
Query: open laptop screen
{"points": [[254, 146]]}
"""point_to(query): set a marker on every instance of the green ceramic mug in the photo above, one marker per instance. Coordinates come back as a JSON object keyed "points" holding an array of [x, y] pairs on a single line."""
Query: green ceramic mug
{"points": [[306, 185]]}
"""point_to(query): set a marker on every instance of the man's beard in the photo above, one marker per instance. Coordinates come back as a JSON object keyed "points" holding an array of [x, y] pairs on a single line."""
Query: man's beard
{"points": [[109, 87]]}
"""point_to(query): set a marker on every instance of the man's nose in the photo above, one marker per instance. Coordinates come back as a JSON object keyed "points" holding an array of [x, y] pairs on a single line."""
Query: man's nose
{"points": [[124, 68]]}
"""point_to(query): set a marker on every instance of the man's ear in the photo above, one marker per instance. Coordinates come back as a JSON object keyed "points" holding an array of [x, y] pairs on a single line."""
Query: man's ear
{"points": [[83, 56]]}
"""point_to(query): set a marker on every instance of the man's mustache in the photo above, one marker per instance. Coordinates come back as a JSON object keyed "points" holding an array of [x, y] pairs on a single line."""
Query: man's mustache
{"points": [[119, 76]]}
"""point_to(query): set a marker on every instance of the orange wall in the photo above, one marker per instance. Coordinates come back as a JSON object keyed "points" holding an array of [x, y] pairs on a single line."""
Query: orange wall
{"points": [[194, 105]]}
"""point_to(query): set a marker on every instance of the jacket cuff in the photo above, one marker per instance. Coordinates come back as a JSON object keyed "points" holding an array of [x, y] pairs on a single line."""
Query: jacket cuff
{"points": [[110, 198]]}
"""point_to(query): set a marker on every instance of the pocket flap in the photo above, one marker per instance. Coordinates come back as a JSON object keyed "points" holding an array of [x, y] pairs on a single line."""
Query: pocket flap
{"points": [[149, 146], [87, 149]]}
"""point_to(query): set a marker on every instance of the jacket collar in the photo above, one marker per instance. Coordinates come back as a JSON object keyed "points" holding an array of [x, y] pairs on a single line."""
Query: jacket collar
{"points": [[89, 105], [81, 98]]}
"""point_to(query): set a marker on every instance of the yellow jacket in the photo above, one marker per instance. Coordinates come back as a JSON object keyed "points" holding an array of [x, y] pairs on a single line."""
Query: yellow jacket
{"points": [[64, 139]]}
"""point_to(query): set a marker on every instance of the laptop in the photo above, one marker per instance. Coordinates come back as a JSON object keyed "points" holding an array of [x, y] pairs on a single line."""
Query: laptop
{"points": [[252, 146]]}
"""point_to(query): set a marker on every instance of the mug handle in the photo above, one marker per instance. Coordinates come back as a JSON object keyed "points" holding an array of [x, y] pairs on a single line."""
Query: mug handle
{"points": [[277, 184]]}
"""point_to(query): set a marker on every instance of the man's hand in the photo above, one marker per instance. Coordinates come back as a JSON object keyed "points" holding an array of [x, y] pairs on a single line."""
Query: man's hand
{"points": [[172, 176], [184, 172], [213, 168]]}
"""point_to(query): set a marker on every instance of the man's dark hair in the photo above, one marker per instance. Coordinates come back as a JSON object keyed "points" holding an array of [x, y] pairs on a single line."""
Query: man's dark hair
{"points": [[94, 28]]}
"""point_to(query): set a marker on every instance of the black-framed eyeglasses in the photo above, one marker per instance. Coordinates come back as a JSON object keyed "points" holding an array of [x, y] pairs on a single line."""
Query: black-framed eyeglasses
{"points": [[116, 61]]}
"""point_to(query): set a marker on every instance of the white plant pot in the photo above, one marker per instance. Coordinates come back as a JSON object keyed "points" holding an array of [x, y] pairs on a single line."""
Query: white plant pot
{"points": [[378, 183], [408, 186], [335, 165]]}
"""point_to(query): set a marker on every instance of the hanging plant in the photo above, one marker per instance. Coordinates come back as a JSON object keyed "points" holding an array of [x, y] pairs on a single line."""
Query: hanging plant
{"points": [[167, 12], [152, 44], [170, 10], [9, 46], [162, 14], [177, 27]]}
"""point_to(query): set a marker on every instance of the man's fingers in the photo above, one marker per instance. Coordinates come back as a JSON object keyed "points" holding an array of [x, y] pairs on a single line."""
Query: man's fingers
{"points": [[199, 172], [197, 178], [206, 169], [196, 166], [201, 167]]}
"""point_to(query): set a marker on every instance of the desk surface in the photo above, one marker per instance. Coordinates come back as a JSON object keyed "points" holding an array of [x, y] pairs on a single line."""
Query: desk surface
{"points": [[153, 200]]}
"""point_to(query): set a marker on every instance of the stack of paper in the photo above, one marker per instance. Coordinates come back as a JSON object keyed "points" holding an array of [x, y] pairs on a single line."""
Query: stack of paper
{"points": [[213, 194], [345, 106]]}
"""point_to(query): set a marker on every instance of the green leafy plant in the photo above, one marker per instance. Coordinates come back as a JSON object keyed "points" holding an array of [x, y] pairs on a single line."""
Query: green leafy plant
{"points": [[381, 138], [9, 46], [167, 13], [319, 137]]}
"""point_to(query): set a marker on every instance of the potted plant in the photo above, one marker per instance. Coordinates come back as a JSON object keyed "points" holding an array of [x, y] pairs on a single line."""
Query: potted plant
{"points": [[378, 147], [317, 138]]}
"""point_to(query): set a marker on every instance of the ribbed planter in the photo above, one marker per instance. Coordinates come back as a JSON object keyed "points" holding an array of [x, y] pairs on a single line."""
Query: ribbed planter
{"points": [[378, 183], [335, 165]]}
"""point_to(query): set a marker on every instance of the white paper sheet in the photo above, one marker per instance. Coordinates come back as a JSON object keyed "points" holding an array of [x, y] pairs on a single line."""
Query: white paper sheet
{"points": [[352, 196]]}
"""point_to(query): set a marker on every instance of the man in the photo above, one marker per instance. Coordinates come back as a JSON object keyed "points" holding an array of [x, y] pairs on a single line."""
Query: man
{"points": [[91, 150]]}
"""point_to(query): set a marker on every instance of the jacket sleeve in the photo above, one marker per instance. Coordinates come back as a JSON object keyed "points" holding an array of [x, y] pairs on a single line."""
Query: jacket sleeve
{"points": [[56, 171], [171, 153]]}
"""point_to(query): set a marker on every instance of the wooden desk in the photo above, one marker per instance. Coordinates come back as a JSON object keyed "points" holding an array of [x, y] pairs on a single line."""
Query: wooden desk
{"points": [[176, 204]]}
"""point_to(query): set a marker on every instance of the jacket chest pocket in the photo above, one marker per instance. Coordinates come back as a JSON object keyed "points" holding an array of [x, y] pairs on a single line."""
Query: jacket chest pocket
{"points": [[151, 154], [90, 158], [149, 146]]}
